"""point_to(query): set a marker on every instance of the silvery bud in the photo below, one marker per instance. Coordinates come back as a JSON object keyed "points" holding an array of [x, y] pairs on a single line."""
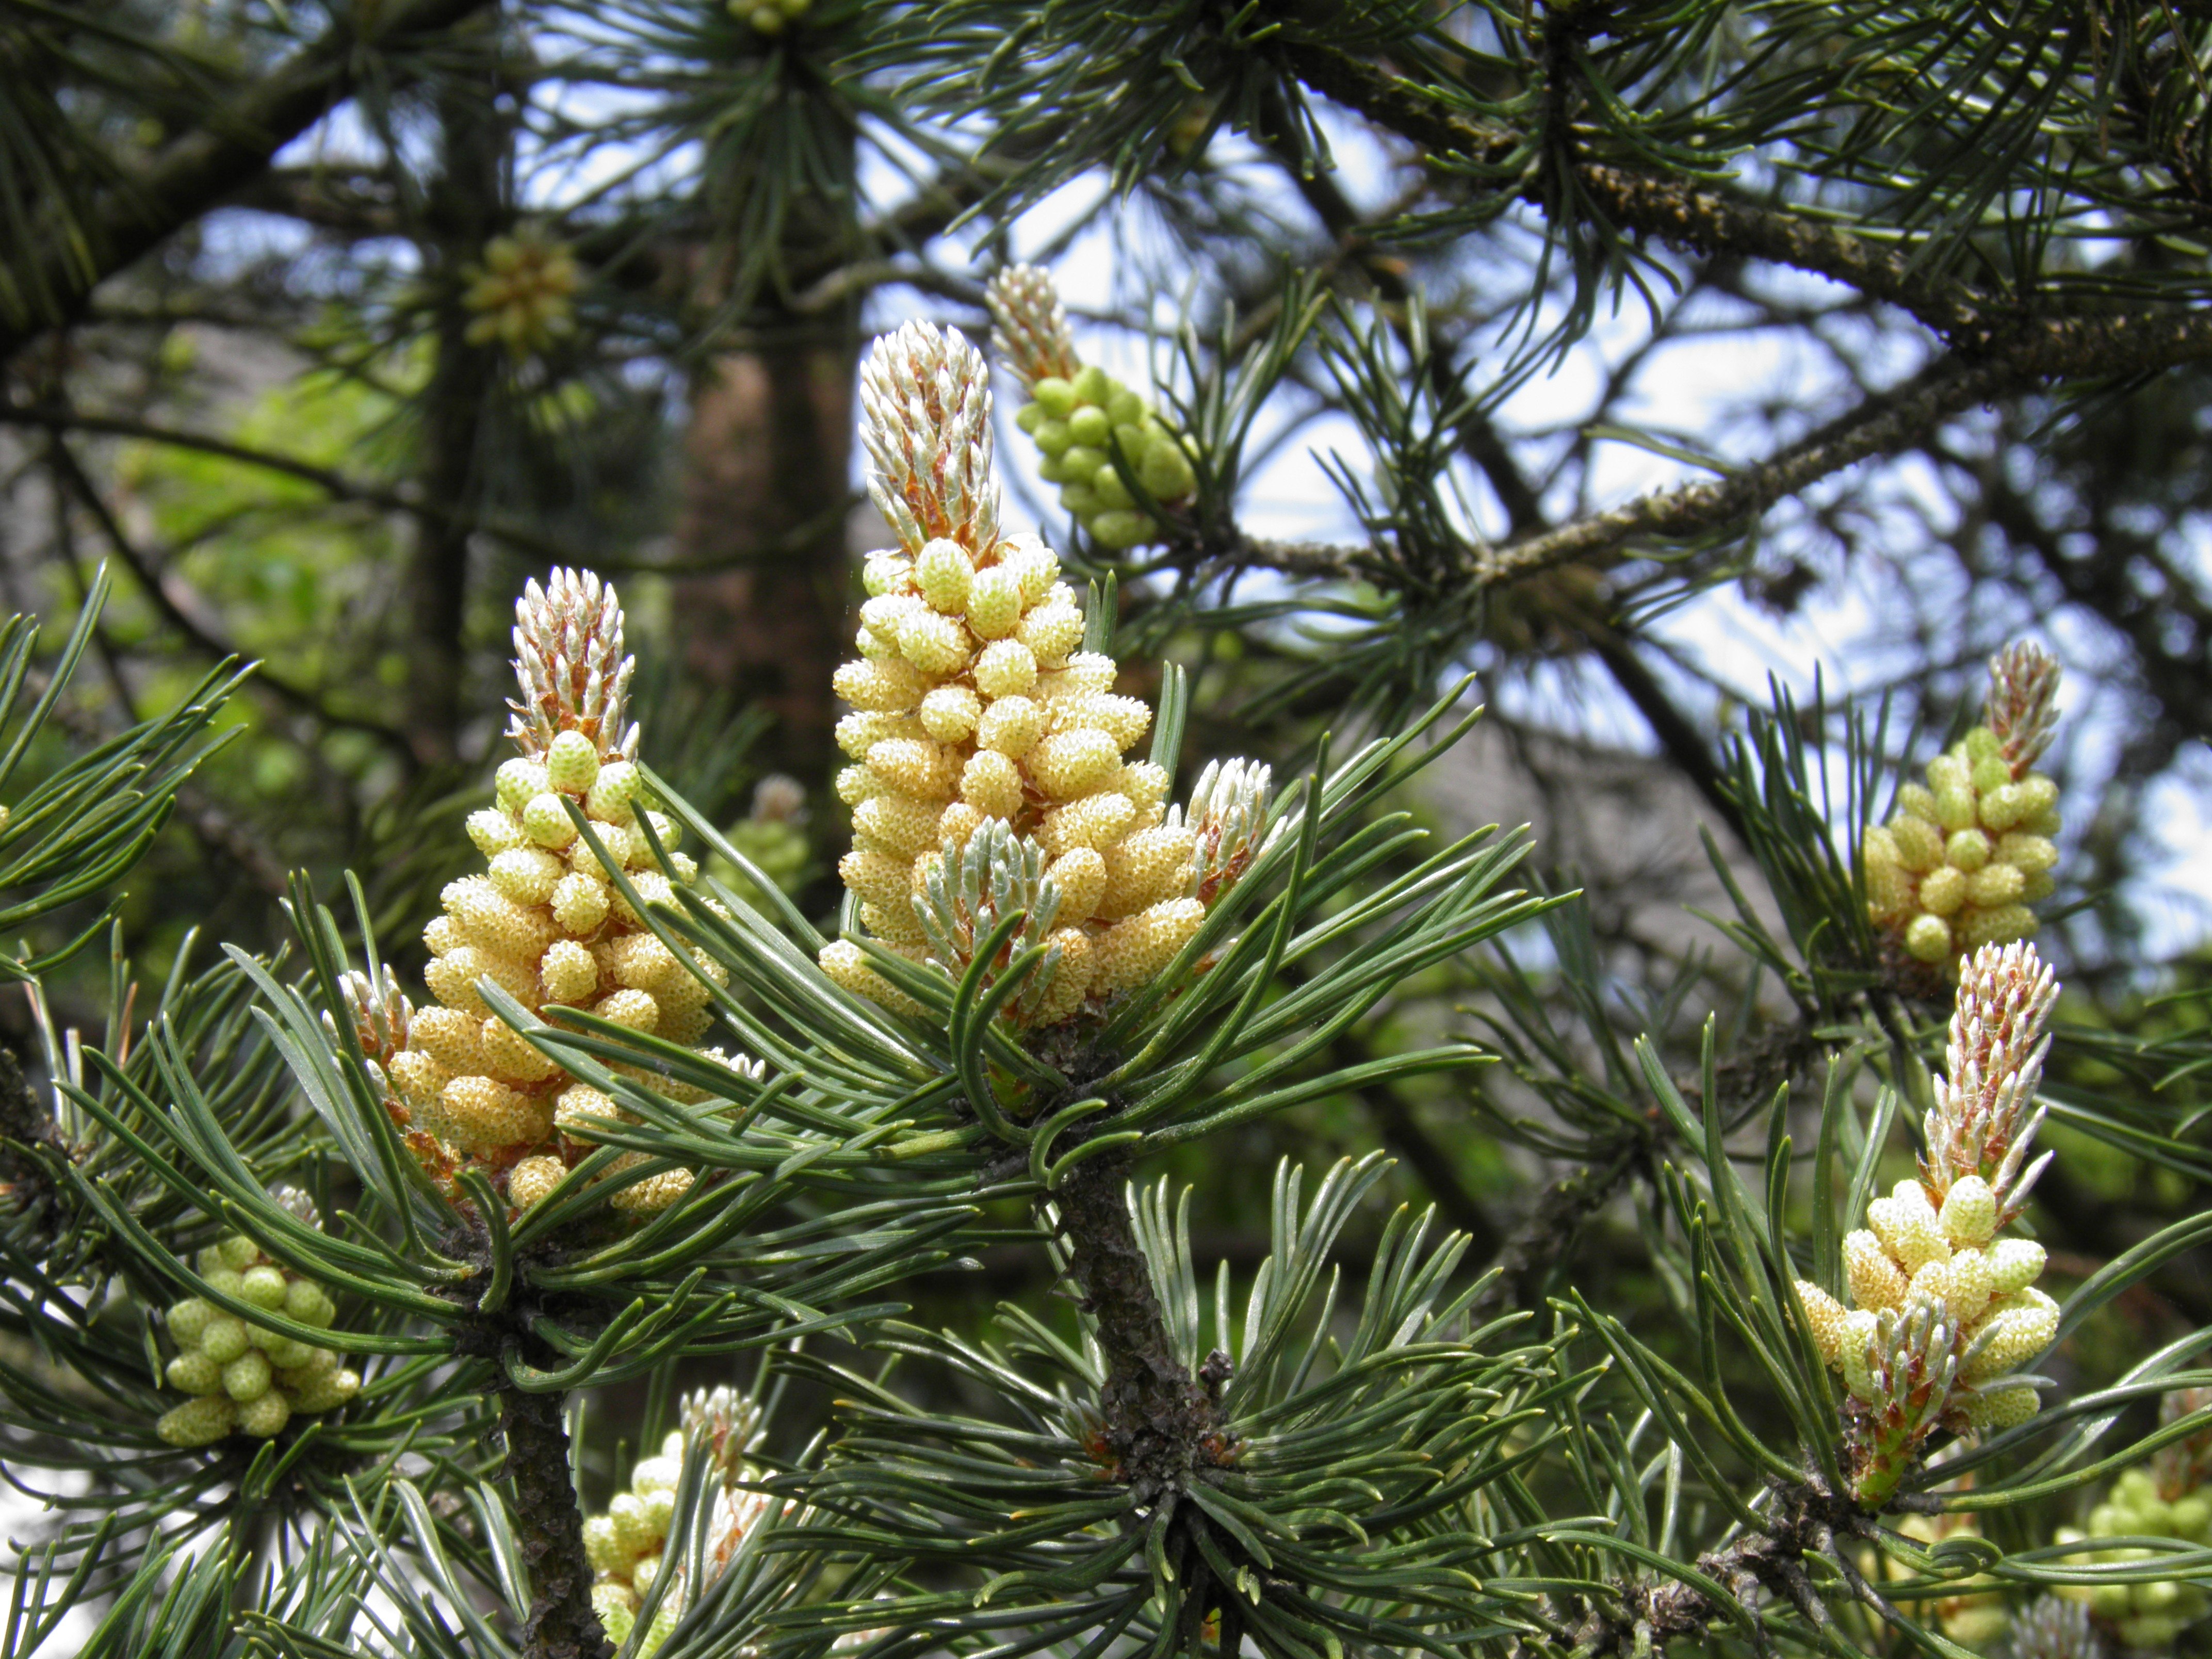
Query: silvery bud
{"points": [[1030, 334], [569, 663], [925, 427]]}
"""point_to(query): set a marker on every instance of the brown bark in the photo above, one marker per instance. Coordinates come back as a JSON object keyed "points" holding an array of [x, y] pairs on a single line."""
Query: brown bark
{"points": [[561, 1623], [1158, 1415], [765, 480], [1803, 1520]]}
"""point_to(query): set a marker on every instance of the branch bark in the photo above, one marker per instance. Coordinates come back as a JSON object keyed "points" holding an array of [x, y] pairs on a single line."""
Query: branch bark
{"points": [[1543, 1244], [1480, 441], [2107, 347], [1881, 425], [1999, 343], [1680, 740], [1804, 1519], [337, 485], [1162, 1425], [1663, 205], [561, 1623], [1156, 1414]]}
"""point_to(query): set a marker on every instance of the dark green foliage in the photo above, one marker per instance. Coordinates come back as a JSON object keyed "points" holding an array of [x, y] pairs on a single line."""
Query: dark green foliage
{"points": [[1592, 1418]]}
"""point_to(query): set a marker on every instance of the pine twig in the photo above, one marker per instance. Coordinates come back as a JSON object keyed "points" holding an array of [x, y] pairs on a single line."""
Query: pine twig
{"points": [[1534, 1251], [30, 1141], [1544, 1239], [1664, 206], [1881, 425], [562, 1624], [1984, 329], [1805, 1519], [156, 590], [1162, 1425], [336, 485], [1156, 1414]]}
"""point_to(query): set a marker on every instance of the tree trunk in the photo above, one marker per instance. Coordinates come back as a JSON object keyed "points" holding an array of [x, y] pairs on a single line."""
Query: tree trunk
{"points": [[765, 488]]}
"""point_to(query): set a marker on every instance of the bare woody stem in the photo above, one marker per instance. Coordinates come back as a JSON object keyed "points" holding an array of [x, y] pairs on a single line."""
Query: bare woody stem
{"points": [[1670, 209], [1884, 424], [30, 1151], [1162, 1424], [1156, 1414], [1542, 1244], [1804, 1520], [561, 1623]]}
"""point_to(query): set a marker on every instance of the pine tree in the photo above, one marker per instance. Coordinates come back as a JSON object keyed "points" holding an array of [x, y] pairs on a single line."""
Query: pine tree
{"points": [[575, 1282]]}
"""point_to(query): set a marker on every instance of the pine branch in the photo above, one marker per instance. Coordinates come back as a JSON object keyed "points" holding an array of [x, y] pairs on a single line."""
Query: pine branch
{"points": [[1683, 745], [1541, 1246], [200, 169], [1880, 425], [1976, 324], [1327, 561], [334, 484], [1806, 1519], [1535, 1251], [561, 1624], [1156, 1414], [1163, 1426], [30, 1143], [1665, 206], [1883, 424]]}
